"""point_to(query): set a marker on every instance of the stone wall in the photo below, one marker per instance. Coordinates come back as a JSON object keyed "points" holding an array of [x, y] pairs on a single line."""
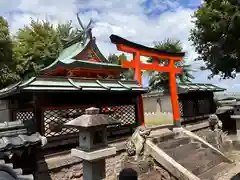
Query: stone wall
{"points": [[74, 171], [113, 167]]}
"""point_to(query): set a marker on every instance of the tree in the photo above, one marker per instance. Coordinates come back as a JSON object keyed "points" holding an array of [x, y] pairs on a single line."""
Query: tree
{"points": [[39, 44], [160, 80], [216, 36], [7, 64], [66, 32], [114, 59], [36, 46]]}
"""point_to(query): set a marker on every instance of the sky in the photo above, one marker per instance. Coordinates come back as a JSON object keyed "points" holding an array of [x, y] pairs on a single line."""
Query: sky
{"points": [[141, 21]]}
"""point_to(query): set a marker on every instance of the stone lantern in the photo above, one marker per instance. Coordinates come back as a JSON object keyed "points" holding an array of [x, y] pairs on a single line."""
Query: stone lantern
{"points": [[93, 147]]}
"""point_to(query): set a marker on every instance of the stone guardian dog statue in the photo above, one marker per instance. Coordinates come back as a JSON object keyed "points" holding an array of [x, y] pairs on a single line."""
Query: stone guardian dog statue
{"points": [[135, 145]]}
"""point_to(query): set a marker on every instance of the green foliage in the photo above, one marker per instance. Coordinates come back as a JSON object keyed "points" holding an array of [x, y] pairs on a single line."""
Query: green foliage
{"points": [[169, 45], [66, 31], [39, 44], [7, 64], [36, 46], [5, 42], [7, 76], [159, 80], [216, 36], [114, 59], [33, 47]]}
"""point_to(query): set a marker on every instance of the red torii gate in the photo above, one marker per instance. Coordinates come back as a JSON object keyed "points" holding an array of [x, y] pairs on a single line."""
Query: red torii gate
{"points": [[139, 50]]}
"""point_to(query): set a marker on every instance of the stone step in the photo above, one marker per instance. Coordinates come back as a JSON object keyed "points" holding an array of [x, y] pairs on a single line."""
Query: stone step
{"points": [[2, 161], [192, 156], [163, 138], [183, 151], [173, 143], [9, 165], [26, 177], [200, 161], [18, 171], [208, 175]]}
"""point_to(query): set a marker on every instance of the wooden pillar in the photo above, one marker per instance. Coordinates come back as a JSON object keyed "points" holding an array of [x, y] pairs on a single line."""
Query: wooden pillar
{"points": [[173, 92], [38, 115], [137, 75], [140, 111], [138, 78]]}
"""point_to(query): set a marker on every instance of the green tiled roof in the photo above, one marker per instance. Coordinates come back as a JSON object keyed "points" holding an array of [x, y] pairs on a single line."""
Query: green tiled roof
{"points": [[72, 63], [54, 84], [68, 53], [185, 88], [66, 60], [191, 87]]}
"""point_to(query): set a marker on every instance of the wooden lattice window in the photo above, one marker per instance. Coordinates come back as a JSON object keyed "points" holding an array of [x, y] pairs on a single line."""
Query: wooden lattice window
{"points": [[125, 113], [54, 120], [23, 114]]}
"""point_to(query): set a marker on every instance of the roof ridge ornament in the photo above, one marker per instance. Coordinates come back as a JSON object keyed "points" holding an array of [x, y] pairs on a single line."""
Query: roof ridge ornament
{"points": [[86, 30], [81, 34]]}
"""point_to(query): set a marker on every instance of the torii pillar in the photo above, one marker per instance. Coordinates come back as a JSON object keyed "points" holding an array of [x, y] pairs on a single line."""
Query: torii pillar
{"points": [[139, 50]]}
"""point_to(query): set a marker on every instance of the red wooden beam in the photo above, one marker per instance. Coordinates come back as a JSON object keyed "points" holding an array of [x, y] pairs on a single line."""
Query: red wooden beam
{"points": [[150, 67], [128, 49]]}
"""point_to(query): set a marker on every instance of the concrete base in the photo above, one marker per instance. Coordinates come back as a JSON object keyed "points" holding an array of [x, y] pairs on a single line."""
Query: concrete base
{"points": [[94, 170], [177, 123], [94, 155], [178, 131]]}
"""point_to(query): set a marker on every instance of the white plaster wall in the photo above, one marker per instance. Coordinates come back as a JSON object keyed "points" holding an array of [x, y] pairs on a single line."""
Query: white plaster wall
{"points": [[166, 104], [150, 104], [157, 103]]}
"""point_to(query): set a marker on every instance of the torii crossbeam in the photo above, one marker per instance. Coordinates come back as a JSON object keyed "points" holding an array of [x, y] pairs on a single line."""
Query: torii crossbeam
{"points": [[139, 50]]}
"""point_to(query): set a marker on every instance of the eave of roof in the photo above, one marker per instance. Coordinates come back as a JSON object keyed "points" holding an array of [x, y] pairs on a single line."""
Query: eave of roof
{"points": [[72, 64], [14, 142], [119, 40], [59, 84], [15, 172], [194, 87], [68, 53], [191, 87], [13, 135]]}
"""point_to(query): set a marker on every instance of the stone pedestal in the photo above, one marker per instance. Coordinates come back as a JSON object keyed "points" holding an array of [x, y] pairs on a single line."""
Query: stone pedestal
{"points": [[94, 162], [94, 169]]}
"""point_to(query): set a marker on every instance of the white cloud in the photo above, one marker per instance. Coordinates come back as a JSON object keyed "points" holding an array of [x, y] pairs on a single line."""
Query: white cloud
{"points": [[122, 17]]}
